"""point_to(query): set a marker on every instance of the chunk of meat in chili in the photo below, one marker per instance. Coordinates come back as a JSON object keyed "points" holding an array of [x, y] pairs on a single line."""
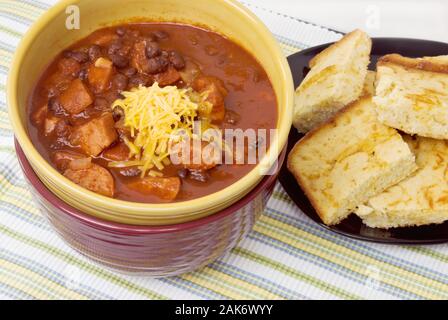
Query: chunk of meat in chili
{"points": [[50, 124], [170, 76], [119, 152], [76, 98], [100, 75], [216, 93], [152, 64], [63, 158], [94, 178], [69, 66], [138, 57], [200, 156], [96, 135], [105, 37], [166, 188]]}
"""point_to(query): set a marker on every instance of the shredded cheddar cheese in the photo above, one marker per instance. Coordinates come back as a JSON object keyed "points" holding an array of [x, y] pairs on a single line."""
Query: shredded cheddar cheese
{"points": [[153, 114]]}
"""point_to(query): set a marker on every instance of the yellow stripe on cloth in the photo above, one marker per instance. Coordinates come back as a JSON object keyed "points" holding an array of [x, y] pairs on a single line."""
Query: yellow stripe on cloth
{"points": [[37, 279], [415, 283], [6, 186], [28, 289], [21, 9], [228, 286]]}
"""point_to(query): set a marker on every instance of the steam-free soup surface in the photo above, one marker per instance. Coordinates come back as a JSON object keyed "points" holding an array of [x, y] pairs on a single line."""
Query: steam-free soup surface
{"points": [[73, 125]]}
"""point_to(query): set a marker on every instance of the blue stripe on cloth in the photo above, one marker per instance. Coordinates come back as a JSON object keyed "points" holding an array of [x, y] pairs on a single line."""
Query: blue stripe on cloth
{"points": [[8, 292], [54, 276], [325, 264], [358, 246], [256, 280]]}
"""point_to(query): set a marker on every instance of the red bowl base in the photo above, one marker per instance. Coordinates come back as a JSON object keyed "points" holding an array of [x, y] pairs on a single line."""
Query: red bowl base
{"points": [[156, 251]]}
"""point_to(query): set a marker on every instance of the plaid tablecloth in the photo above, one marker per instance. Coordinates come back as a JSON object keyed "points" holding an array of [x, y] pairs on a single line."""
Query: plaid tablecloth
{"points": [[286, 256]]}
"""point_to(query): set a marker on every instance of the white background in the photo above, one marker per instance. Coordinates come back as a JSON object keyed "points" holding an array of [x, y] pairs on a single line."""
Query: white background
{"points": [[386, 18]]}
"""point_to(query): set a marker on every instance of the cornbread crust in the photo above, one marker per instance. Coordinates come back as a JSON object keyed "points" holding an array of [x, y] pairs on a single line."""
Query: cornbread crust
{"points": [[418, 200], [349, 37], [336, 79], [369, 84], [430, 64], [412, 94], [349, 159]]}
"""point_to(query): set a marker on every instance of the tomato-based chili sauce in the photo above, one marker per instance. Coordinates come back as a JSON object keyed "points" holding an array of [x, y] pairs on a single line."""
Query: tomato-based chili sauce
{"points": [[77, 88]]}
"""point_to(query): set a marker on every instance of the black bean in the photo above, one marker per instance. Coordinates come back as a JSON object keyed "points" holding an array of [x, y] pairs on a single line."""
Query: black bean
{"points": [[55, 107], [118, 113], [160, 35], [120, 81], [78, 56], [177, 60], [120, 31], [199, 175], [137, 80], [114, 47], [182, 173], [94, 52], [101, 104], [152, 50], [119, 60], [83, 74], [81, 57], [158, 64], [130, 172], [129, 72]]}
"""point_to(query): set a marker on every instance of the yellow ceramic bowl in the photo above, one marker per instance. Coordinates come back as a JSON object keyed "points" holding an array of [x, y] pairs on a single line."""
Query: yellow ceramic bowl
{"points": [[49, 36]]}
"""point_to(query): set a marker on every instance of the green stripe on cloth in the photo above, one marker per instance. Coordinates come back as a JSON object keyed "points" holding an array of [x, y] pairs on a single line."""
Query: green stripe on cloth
{"points": [[294, 273], [82, 264]]}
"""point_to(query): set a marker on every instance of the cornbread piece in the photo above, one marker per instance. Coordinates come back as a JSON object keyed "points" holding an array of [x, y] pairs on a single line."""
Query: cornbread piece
{"points": [[94, 178], [420, 199], [76, 98], [369, 84], [336, 79], [95, 135], [348, 160], [412, 94]]}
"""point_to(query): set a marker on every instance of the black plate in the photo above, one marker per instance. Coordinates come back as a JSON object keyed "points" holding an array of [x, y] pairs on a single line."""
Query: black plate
{"points": [[352, 226]]}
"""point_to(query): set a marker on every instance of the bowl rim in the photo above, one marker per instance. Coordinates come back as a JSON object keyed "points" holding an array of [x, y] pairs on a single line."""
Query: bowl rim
{"points": [[135, 210], [92, 221]]}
